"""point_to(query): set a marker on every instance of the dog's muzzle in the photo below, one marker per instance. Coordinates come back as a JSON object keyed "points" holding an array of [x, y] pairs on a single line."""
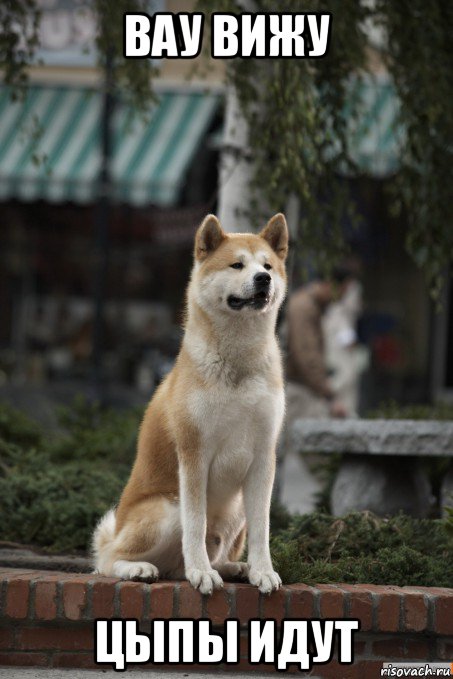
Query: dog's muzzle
{"points": [[260, 298]]}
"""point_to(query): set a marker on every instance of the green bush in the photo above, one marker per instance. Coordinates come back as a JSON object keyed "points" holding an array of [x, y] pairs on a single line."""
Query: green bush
{"points": [[92, 433], [15, 427], [53, 489], [54, 506], [361, 547], [392, 410]]}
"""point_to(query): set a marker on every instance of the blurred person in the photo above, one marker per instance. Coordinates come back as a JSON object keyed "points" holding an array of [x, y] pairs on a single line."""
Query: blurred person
{"points": [[346, 359], [309, 391]]}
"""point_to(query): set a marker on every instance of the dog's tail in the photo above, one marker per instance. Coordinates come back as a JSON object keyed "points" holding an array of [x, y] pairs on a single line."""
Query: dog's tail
{"points": [[102, 542]]}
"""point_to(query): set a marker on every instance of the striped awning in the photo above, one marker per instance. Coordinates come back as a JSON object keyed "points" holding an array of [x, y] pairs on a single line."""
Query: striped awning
{"points": [[50, 145]]}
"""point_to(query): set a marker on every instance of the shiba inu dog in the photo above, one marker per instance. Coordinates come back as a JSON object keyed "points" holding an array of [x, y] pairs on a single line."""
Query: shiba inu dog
{"points": [[205, 462]]}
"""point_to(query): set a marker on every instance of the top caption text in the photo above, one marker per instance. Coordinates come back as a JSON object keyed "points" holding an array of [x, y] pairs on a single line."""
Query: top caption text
{"points": [[180, 36]]}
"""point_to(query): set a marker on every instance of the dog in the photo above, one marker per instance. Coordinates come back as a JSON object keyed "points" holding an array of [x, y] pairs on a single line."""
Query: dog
{"points": [[205, 463]]}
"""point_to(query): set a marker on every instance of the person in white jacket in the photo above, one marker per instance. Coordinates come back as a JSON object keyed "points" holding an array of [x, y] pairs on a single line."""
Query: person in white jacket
{"points": [[346, 359]]}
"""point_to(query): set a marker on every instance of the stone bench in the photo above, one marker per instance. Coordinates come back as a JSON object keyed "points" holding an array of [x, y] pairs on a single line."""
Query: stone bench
{"points": [[380, 470]]}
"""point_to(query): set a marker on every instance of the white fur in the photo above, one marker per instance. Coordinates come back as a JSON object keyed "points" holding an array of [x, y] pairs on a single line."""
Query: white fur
{"points": [[135, 570], [166, 553]]}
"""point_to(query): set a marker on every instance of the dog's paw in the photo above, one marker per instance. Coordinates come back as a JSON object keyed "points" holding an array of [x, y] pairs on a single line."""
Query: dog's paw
{"points": [[135, 570], [238, 570], [266, 581], [204, 580]]}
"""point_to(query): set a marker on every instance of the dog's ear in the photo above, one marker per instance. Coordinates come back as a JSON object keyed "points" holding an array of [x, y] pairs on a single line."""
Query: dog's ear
{"points": [[208, 238], [276, 234]]}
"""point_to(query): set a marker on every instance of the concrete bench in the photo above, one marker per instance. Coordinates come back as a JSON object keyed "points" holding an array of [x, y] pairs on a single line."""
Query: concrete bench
{"points": [[380, 470]]}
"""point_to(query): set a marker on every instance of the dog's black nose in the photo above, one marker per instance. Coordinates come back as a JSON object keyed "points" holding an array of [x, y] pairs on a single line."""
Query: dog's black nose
{"points": [[262, 280]]}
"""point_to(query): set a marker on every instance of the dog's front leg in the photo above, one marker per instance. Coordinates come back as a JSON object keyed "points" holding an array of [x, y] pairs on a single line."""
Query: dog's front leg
{"points": [[193, 488], [257, 501]]}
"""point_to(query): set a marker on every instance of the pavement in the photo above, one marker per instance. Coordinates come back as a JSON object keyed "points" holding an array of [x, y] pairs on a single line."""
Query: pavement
{"points": [[17, 556], [72, 673]]}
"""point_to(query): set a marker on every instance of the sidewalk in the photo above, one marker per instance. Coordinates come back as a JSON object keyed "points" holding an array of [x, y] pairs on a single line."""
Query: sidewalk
{"points": [[33, 673]]}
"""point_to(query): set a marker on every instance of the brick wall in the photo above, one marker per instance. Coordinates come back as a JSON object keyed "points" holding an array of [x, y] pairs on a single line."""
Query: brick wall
{"points": [[46, 618]]}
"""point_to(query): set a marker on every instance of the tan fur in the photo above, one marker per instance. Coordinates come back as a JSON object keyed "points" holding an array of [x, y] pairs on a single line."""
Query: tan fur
{"points": [[206, 449], [238, 546]]}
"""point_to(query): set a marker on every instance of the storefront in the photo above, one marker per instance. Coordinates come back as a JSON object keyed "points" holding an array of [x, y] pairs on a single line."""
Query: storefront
{"points": [[163, 179]]}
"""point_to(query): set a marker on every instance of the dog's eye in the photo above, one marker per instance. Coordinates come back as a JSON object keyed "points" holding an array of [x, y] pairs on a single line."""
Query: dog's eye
{"points": [[237, 265], [268, 267]]}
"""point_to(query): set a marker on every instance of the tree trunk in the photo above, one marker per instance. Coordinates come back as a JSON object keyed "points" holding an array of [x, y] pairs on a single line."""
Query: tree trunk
{"points": [[236, 168]]}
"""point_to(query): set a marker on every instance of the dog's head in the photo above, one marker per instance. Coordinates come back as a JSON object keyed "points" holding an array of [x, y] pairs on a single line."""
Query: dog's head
{"points": [[240, 273]]}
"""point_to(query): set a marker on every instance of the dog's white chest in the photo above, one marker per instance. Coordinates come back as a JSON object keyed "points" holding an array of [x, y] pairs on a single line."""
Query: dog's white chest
{"points": [[235, 424], [227, 413]]}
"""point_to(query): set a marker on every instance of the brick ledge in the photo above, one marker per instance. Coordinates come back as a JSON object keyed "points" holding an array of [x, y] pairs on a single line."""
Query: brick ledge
{"points": [[46, 617]]}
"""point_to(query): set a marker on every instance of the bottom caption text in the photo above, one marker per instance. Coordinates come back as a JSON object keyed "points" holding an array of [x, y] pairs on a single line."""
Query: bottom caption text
{"points": [[300, 642]]}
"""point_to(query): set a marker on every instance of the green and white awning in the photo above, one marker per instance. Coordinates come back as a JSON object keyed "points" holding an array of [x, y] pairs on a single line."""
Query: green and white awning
{"points": [[50, 142], [50, 145], [374, 134]]}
